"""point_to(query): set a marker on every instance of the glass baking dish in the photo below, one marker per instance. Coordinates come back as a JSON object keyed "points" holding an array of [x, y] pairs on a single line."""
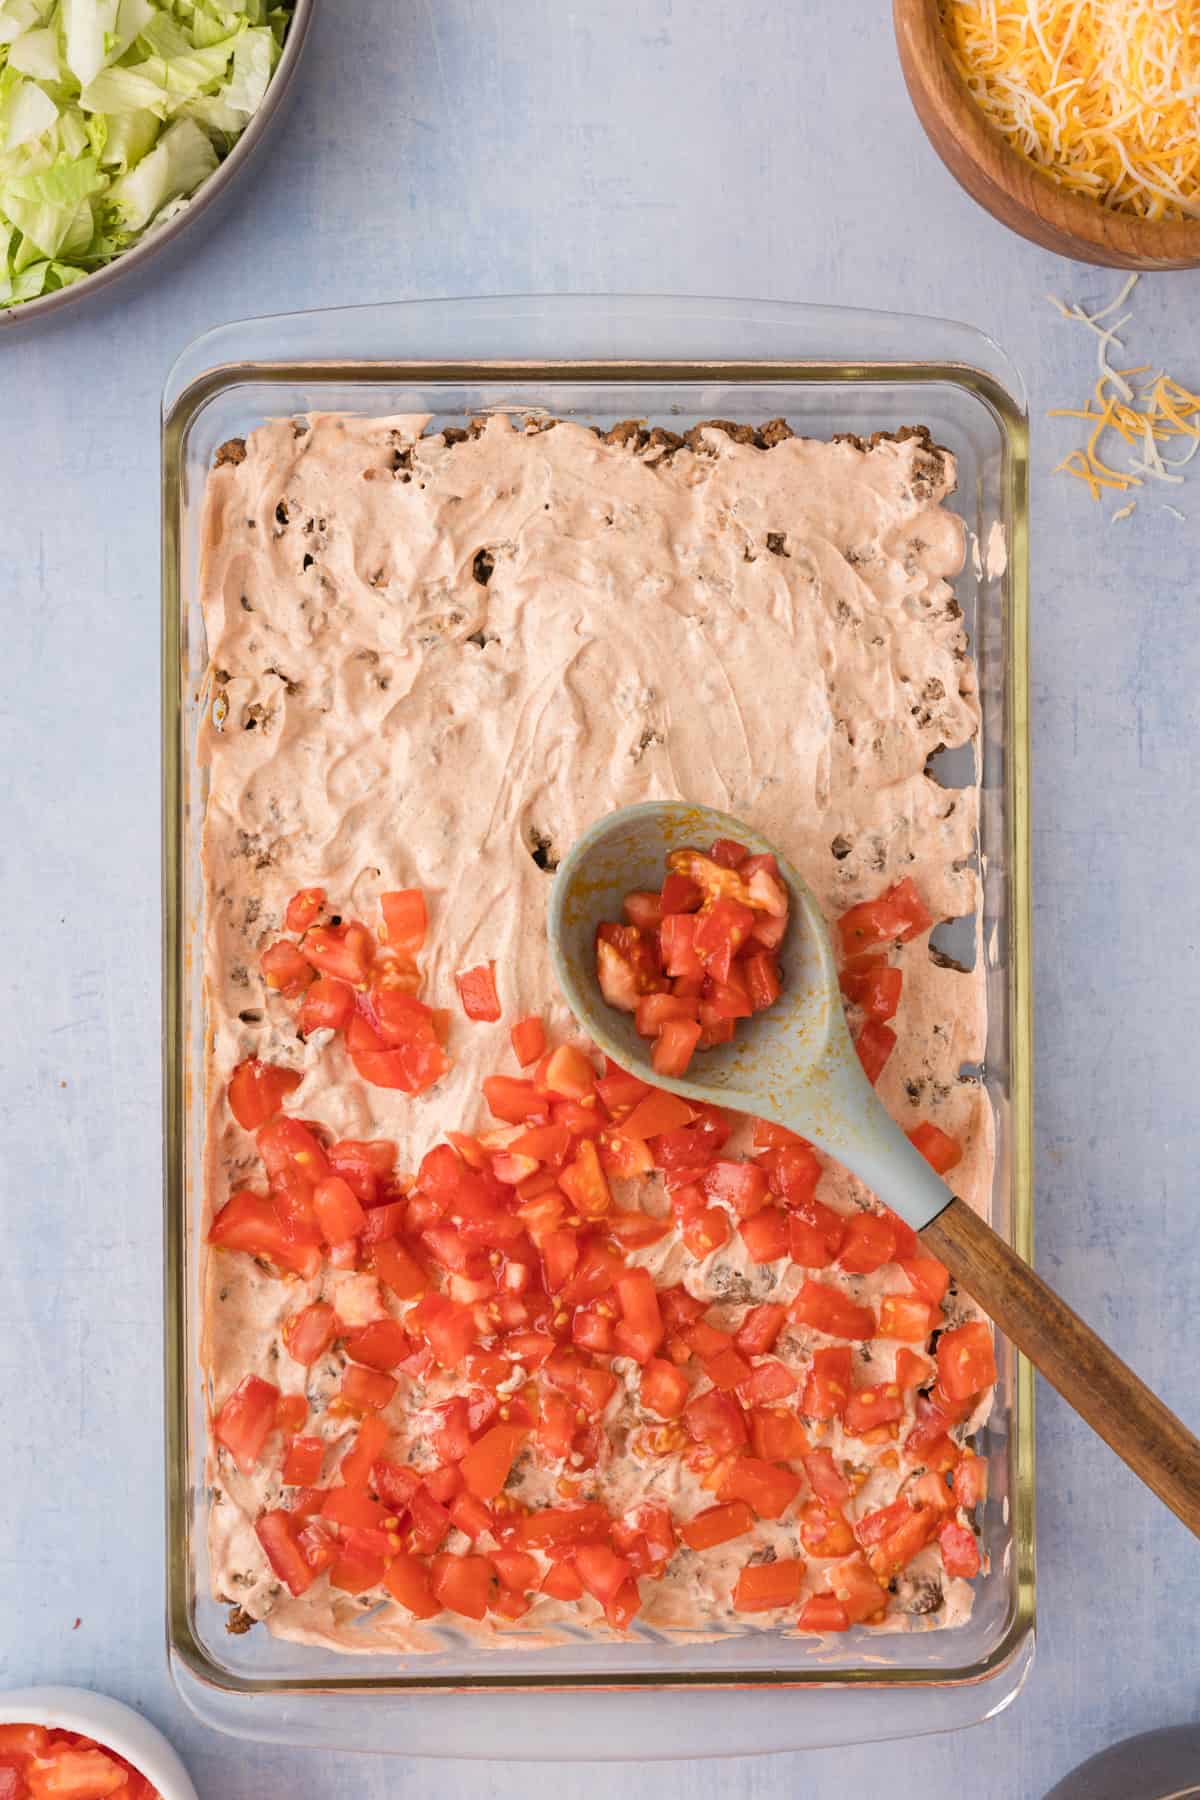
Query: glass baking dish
{"points": [[670, 362]]}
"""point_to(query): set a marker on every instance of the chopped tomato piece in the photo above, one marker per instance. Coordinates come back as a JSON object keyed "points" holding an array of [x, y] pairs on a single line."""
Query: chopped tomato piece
{"points": [[383, 1344], [585, 1183], [970, 1480], [824, 1476], [407, 1580], [815, 1234], [674, 1047], [764, 1486], [677, 936], [634, 1230], [275, 1532], [486, 1466], [462, 1584], [723, 929], [707, 1231], [407, 1056], [874, 1043], [928, 1277], [941, 1151], [428, 1520], [285, 970], [561, 1581], [777, 1434], [366, 1167], [627, 965], [664, 1388], [250, 1222], [405, 919], [366, 1390], [477, 992], [513, 1100], [307, 1334], [876, 990], [966, 1360], [761, 1326], [680, 894], [303, 908], [398, 1269], [727, 1370], [68, 1772], [767, 1236], [326, 1006], [896, 916], [529, 1040], [824, 1529], [246, 1420], [358, 1465], [829, 1310], [869, 1407], [828, 1386], [793, 1171], [767, 1382], [763, 980], [643, 910], [338, 1209], [901, 1316], [717, 1420], [641, 1330], [302, 1464], [911, 1371], [859, 1593], [821, 1612], [20, 1741], [717, 1525], [740, 1185], [345, 951], [470, 1515], [257, 1090], [764, 1587], [602, 1571], [869, 1243]]}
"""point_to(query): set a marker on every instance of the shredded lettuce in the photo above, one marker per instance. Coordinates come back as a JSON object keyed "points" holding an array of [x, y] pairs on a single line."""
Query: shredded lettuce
{"points": [[112, 114]]}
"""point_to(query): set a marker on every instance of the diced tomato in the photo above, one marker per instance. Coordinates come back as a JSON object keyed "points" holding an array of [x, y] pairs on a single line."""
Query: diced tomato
{"points": [[869, 1407], [664, 1388], [828, 1383], [656, 1010], [767, 1382], [706, 1231], [303, 908], [407, 1055], [405, 919], [723, 929], [941, 1151], [727, 1370], [513, 1100], [257, 1090], [897, 915], [529, 1040], [462, 1583], [398, 1269], [901, 1316], [560, 1257], [761, 1326], [868, 1244], [876, 990], [793, 1171], [585, 1183], [821, 1612], [246, 1420], [469, 1515], [777, 1434], [326, 1006], [561, 1581], [824, 1476], [641, 1330], [856, 1588], [366, 1166], [928, 1277], [302, 1464], [449, 1327], [740, 1185], [643, 910], [936, 1413], [728, 854], [970, 1480], [763, 980], [764, 1587], [251, 1223], [477, 992], [674, 1047], [358, 1465], [966, 1360], [285, 970], [908, 1244], [20, 1741], [911, 1371], [767, 1236], [74, 1772], [764, 1486], [602, 1571], [717, 1420], [366, 1390], [874, 1043], [627, 965], [407, 1580], [657, 1113], [339, 1212], [344, 951], [592, 1331], [307, 1334], [680, 894], [275, 1532], [634, 1230], [815, 1234], [824, 1529], [717, 1525], [486, 1466], [357, 1568], [383, 1344], [677, 937], [829, 1310]]}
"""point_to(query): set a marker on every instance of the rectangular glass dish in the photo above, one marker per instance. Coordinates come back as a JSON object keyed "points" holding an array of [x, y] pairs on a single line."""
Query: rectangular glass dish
{"points": [[598, 361]]}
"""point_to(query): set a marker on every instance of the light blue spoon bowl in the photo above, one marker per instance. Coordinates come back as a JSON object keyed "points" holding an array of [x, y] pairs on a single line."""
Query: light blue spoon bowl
{"points": [[795, 1063]]}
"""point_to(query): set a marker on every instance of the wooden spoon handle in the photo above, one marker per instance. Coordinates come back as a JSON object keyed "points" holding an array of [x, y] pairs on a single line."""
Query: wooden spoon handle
{"points": [[1159, 1449]]}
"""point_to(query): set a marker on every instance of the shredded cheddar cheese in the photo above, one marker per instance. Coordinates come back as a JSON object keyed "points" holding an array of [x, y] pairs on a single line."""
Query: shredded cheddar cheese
{"points": [[1140, 418], [1102, 94]]}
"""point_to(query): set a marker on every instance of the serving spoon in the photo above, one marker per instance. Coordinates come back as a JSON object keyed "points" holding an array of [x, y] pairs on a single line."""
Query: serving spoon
{"points": [[795, 1063]]}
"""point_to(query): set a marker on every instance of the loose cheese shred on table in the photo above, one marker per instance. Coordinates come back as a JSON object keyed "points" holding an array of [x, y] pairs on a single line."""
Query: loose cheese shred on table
{"points": [[1159, 410], [1102, 94]]}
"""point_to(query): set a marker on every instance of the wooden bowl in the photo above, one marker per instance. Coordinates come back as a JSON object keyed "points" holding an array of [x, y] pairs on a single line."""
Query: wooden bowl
{"points": [[1021, 196]]}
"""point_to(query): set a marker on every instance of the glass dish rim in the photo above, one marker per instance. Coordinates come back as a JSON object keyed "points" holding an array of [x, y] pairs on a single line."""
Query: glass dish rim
{"points": [[185, 396]]}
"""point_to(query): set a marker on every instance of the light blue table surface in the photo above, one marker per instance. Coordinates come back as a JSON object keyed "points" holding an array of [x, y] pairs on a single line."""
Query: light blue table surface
{"points": [[480, 146]]}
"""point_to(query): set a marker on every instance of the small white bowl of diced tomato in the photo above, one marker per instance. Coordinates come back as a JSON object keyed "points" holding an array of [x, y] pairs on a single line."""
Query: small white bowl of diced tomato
{"points": [[70, 1744]]}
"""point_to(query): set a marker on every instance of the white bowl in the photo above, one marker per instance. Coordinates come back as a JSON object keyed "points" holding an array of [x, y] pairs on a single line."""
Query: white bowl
{"points": [[114, 1726]]}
